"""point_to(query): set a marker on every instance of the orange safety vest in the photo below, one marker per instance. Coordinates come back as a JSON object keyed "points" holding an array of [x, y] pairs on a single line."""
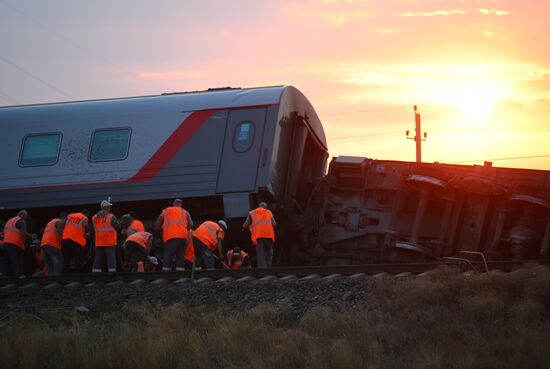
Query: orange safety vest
{"points": [[105, 233], [175, 223], [190, 251], [239, 262], [141, 238], [136, 226], [260, 225], [207, 233], [74, 228], [12, 234], [51, 237]]}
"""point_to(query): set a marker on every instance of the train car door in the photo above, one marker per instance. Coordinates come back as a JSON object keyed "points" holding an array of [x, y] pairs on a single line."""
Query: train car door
{"points": [[241, 150]]}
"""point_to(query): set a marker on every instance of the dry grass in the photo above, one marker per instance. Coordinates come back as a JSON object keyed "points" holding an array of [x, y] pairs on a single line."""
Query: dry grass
{"points": [[445, 320]]}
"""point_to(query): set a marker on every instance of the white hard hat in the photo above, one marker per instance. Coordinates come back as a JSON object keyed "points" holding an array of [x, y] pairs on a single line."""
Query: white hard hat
{"points": [[223, 224], [105, 203]]}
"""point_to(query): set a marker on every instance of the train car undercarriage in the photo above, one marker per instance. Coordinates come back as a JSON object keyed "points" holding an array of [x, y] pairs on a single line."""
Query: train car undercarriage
{"points": [[374, 211]]}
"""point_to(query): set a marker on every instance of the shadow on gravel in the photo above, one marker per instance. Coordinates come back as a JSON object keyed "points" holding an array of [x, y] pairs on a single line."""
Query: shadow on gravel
{"points": [[444, 320]]}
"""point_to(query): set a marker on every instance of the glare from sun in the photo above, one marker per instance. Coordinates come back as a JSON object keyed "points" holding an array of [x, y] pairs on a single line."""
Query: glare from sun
{"points": [[475, 101]]}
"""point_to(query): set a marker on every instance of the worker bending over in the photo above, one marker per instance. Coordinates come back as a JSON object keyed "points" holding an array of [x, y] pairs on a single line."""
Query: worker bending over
{"points": [[136, 250], [73, 240], [174, 222], [106, 227], [132, 224], [261, 224], [15, 238], [51, 245], [206, 238], [236, 258]]}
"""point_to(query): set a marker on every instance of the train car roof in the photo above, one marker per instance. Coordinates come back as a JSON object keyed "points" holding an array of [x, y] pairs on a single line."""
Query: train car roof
{"points": [[214, 98]]}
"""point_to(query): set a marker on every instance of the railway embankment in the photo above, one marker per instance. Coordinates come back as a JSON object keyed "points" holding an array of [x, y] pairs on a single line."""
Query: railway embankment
{"points": [[441, 319]]}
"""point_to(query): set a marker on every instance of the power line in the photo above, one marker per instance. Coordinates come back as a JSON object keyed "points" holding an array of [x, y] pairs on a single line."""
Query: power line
{"points": [[56, 34], [365, 111], [36, 77], [365, 137], [498, 159], [10, 99]]}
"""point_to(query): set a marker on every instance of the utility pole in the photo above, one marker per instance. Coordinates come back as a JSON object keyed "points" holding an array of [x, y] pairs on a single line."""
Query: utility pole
{"points": [[417, 136]]}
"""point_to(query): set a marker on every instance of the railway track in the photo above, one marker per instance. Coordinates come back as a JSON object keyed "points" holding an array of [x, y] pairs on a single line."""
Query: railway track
{"points": [[76, 281]]}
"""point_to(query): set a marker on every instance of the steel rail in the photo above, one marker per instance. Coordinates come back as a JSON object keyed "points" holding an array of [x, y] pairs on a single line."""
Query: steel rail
{"points": [[301, 271]]}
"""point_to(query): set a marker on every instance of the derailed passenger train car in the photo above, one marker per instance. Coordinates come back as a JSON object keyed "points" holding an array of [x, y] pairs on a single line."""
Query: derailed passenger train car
{"points": [[221, 150], [394, 211]]}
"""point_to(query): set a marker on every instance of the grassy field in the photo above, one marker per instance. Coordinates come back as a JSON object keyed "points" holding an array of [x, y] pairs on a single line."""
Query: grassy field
{"points": [[445, 320]]}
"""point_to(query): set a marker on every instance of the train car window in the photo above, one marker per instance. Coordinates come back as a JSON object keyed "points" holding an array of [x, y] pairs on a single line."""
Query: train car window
{"points": [[40, 149], [243, 137], [110, 144]]}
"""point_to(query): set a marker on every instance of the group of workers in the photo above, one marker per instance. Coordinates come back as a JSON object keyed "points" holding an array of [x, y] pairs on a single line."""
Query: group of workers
{"points": [[64, 239]]}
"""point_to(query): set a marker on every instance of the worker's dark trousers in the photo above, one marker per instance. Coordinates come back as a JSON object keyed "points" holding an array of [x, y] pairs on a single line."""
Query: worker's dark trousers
{"points": [[72, 256], [134, 253], [102, 253], [53, 259], [174, 247], [204, 258], [14, 260], [264, 252]]}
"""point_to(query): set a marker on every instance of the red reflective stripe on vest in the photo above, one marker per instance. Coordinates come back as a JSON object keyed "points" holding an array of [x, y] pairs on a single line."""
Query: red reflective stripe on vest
{"points": [[12, 234], [74, 228], [175, 223], [105, 233], [51, 237]]}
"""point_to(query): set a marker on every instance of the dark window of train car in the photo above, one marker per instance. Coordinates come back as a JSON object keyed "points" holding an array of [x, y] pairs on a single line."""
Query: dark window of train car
{"points": [[41, 149], [110, 144], [243, 137]]}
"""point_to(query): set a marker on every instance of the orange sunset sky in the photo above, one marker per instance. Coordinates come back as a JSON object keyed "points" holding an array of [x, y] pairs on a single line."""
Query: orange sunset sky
{"points": [[479, 71]]}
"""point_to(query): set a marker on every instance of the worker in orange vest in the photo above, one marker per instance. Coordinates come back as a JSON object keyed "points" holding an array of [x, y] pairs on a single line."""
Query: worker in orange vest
{"points": [[131, 224], [136, 250], [174, 222], [236, 258], [207, 238], [50, 245], [15, 237], [261, 224], [190, 251], [2, 254], [73, 241], [106, 228]]}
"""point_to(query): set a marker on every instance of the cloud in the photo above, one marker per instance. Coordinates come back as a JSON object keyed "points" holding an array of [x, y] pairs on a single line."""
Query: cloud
{"points": [[439, 84], [492, 32], [333, 12], [485, 11], [432, 13], [496, 12], [386, 31], [374, 74], [340, 18]]}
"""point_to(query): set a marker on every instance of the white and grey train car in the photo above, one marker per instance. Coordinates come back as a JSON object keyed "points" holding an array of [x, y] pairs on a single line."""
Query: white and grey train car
{"points": [[221, 150]]}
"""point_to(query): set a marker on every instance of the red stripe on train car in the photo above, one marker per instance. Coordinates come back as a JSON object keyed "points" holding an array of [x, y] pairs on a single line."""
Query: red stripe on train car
{"points": [[164, 154], [172, 145]]}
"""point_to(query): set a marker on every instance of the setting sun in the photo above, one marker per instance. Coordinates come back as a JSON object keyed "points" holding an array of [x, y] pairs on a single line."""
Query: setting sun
{"points": [[476, 101]]}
